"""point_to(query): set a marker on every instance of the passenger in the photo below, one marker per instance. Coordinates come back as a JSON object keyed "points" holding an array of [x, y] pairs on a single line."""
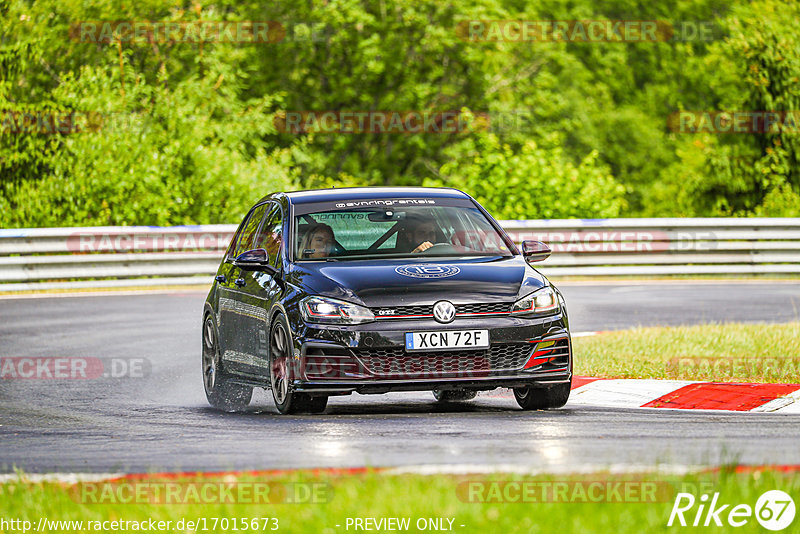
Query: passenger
{"points": [[317, 242]]}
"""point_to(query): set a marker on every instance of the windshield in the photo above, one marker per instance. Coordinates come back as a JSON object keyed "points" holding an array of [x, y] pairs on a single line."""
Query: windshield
{"points": [[396, 232]]}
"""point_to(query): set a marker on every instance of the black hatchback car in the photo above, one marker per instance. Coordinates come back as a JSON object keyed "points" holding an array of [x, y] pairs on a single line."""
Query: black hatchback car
{"points": [[372, 290]]}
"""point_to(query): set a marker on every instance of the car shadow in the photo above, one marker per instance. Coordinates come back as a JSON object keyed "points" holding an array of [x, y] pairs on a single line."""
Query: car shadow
{"points": [[378, 407]]}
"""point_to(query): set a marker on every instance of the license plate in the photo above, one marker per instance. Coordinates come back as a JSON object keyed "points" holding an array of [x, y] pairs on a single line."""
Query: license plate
{"points": [[447, 339]]}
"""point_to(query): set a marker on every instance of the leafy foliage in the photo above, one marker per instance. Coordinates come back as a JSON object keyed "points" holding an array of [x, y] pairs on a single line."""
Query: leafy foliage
{"points": [[186, 130], [535, 182]]}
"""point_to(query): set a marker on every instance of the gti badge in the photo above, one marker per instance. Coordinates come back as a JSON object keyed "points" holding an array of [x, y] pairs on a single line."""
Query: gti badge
{"points": [[444, 311]]}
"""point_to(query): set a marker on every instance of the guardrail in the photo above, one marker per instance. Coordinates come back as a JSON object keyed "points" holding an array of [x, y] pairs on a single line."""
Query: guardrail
{"points": [[654, 247], [50, 258]]}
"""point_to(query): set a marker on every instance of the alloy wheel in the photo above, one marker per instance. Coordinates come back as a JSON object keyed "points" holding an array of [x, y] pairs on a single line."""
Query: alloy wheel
{"points": [[279, 362], [210, 355]]}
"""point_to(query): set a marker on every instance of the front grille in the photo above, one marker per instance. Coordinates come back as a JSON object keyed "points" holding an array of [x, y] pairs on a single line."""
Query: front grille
{"points": [[427, 309], [498, 307], [395, 362]]}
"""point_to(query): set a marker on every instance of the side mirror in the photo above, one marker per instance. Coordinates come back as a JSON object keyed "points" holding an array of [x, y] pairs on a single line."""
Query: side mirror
{"points": [[534, 251], [253, 260]]}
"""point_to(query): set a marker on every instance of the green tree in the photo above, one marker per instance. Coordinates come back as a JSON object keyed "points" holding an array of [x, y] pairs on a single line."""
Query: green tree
{"points": [[198, 141], [534, 182], [166, 140]]}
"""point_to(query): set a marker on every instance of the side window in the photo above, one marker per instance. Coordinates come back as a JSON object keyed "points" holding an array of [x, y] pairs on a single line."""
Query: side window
{"points": [[245, 242], [271, 234]]}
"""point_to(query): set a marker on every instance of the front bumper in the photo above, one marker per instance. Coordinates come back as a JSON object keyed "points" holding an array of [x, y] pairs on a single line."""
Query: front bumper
{"points": [[371, 358]]}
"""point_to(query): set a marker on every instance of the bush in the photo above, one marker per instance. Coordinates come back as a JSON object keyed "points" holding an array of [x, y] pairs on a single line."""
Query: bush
{"points": [[780, 201], [534, 182], [151, 155]]}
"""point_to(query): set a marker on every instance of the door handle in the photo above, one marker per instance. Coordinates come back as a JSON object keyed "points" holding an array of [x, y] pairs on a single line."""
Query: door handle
{"points": [[220, 278], [239, 282]]}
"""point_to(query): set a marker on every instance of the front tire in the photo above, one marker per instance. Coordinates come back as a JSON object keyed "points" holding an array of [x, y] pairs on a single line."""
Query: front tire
{"points": [[222, 393], [543, 398], [281, 374]]}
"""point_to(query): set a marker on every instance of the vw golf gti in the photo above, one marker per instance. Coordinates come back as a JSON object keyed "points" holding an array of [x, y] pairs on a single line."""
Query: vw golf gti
{"points": [[371, 290]]}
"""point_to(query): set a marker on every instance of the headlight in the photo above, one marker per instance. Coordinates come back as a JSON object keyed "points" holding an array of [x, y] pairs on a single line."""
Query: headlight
{"points": [[541, 301], [331, 311]]}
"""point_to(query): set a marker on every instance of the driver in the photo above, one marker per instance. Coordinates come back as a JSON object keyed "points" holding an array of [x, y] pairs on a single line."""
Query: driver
{"points": [[317, 242], [420, 234]]}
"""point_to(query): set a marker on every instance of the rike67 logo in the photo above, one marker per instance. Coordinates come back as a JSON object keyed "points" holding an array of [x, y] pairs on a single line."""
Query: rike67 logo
{"points": [[774, 510]]}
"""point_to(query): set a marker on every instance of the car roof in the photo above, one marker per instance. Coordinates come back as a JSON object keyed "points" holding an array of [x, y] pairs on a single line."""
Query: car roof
{"points": [[363, 193]]}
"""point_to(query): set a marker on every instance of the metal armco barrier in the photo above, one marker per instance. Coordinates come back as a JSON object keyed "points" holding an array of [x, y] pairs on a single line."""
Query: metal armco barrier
{"points": [[50, 258], [655, 247]]}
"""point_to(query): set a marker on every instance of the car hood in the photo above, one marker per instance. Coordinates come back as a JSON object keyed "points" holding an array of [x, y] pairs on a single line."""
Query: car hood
{"points": [[410, 283]]}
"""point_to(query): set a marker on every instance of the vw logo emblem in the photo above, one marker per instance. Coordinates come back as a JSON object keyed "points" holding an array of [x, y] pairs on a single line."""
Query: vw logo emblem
{"points": [[444, 311]]}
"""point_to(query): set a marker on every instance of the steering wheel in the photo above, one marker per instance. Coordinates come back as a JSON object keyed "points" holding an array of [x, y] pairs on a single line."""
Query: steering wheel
{"points": [[439, 247]]}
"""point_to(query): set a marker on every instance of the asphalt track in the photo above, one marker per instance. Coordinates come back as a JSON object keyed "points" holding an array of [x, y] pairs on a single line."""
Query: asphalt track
{"points": [[161, 422]]}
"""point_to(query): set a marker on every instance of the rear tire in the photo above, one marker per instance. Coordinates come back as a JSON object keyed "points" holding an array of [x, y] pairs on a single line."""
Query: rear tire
{"points": [[454, 395], [281, 373], [222, 393], [543, 398]]}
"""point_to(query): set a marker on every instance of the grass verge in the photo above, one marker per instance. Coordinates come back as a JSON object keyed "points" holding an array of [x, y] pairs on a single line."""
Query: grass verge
{"points": [[716, 352], [496, 503]]}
